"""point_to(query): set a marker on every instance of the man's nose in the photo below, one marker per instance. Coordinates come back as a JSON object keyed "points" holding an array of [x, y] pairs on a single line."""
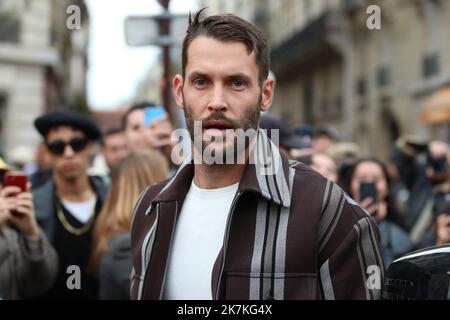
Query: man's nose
{"points": [[218, 102], [68, 151]]}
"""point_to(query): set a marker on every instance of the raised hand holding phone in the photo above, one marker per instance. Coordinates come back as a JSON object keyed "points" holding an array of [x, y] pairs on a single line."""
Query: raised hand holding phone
{"points": [[17, 204], [368, 197], [368, 190], [157, 120], [16, 179], [15, 182], [152, 114]]}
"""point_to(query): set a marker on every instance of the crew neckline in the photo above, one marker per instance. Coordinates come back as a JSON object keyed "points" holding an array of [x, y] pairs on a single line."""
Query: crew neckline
{"points": [[224, 190]]}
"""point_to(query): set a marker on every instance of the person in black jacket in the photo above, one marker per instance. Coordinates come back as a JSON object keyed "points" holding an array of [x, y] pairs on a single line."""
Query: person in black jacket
{"points": [[423, 168], [67, 205]]}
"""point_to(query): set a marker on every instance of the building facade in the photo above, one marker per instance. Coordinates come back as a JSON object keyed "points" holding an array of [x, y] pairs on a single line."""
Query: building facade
{"points": [[43, 65], [371, 84]]}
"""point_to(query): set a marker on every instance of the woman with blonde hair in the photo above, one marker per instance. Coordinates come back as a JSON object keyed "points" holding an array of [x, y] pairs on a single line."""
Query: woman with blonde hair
{"points": [[111, 252]]}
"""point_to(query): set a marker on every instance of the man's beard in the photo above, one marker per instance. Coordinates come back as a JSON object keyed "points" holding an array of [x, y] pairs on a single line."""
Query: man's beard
{"points": [[248, 123]]}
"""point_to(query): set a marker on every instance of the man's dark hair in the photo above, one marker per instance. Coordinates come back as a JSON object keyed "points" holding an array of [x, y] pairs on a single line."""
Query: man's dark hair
{"points": [[225, 28], [137, 106], [110, 132]]}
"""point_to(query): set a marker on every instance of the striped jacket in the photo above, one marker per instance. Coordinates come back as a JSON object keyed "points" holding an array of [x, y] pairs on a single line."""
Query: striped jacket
{"points": [[290, 234]]}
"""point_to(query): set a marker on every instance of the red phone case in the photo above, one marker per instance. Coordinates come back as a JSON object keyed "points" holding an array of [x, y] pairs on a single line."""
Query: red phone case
{"points": [[16, 180]]}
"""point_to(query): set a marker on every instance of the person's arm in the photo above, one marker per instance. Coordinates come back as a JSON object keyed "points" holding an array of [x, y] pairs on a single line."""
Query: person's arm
{"points": [[351, 265], [37, 266], [114, 271], [4, 250], [407, 150]]}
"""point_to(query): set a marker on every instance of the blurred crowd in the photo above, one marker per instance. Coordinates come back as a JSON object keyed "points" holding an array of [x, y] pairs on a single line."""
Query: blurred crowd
{"points": [[65, 217], [408, 195]]}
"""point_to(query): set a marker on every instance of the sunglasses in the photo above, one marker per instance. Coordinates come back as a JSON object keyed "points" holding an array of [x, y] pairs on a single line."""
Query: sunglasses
{"points": [[59, 146]]}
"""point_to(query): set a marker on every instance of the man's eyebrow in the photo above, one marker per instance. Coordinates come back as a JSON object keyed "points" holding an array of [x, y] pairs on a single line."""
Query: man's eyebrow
{"points": [[238, 75], [197, 74]]}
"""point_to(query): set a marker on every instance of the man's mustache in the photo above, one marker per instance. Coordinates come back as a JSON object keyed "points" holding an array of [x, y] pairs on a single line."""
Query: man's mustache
{"points": [[221, 117]]}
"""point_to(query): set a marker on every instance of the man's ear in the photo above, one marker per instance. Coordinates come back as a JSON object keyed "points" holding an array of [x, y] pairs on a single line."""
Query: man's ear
{"points": [[267, 91], [177, 84]]}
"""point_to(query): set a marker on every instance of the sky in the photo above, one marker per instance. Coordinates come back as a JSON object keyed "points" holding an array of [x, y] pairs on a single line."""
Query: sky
{"points": [[115, 69]]}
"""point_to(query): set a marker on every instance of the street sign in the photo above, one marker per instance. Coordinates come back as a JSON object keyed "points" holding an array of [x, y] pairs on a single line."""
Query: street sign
{"points": [[144, 30]]}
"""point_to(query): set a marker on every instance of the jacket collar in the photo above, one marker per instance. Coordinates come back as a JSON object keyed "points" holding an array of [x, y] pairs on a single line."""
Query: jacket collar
{"points": [[266, 174], [44, 196]]}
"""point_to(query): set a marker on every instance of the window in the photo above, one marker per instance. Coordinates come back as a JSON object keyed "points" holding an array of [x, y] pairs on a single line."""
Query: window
{"points": [[338, 105], [361, 87], [9, 28], [389, 120], [9, 22], [325, 108], [384, 76], [3, 101], [430, 65], [431, 60], [308, 102], [433, 14]]}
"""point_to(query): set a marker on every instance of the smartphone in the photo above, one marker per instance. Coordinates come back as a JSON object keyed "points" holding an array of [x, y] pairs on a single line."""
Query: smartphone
{"points": [[438, 165], [16, 179], [153, 113], [368, 190]]}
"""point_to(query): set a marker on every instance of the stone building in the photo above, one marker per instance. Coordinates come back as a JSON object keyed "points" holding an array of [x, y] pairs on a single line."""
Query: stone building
{"points": [[43, 65], [331, 68]]}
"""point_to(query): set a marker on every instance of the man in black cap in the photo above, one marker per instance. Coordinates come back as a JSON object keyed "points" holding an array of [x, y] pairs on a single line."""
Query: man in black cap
{"points": [[68, 204]]}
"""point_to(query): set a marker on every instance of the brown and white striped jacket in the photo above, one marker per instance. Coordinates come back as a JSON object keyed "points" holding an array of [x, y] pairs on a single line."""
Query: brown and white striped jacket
{"points": [[291, 234]]}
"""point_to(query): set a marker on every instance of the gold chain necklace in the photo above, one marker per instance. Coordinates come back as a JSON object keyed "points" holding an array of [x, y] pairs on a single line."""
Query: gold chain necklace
{"points": [[73, 230]]}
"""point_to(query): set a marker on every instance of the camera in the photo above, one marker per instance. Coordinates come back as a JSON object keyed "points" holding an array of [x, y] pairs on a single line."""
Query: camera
{"points": [[437, 164]]}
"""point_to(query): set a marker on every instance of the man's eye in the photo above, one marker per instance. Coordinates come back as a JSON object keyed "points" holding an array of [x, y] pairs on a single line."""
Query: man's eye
{"points": [[238, 84], [200, 82]]}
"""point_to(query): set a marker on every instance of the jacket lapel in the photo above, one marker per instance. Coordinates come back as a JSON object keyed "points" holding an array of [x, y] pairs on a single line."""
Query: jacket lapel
{"points": [[267, 173], [167, 213]]}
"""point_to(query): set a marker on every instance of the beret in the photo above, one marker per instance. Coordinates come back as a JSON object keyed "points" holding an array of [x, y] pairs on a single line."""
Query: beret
{"points": [[69, 118]]}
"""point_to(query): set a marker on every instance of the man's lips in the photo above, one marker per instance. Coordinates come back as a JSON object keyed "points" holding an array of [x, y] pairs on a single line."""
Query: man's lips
{"points": [[217, 124], [220, 125], [69, 166]]}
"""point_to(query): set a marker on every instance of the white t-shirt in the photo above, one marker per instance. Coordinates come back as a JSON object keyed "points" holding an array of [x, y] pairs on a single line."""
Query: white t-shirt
{"points": [[197, 241], [82, 211]]}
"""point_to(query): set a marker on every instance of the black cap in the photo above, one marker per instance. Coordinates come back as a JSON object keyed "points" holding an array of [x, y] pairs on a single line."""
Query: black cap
{"points": [[72, 119], [287, 138]]}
